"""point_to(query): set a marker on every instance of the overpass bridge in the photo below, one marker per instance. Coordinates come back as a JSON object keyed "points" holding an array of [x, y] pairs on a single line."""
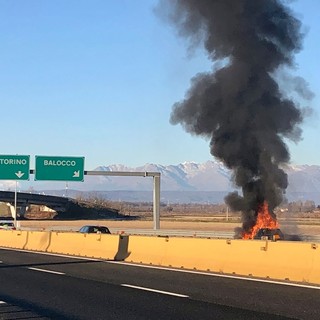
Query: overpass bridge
{"points": [[24, 200]]}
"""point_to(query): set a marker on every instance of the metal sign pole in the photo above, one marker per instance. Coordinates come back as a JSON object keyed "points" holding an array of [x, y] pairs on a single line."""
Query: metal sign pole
{"points": [[15, 205], [66, 193], [156, 188], [156, 202]]}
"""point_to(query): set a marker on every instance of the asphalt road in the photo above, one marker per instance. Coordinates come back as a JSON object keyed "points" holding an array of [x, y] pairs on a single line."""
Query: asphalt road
{"points": [[39, 286]]}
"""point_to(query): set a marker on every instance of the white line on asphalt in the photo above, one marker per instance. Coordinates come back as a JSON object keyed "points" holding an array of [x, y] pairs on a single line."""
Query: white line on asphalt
{"points": [[48, 271], [3, 302], [157, 291], [171, 269], [292, 284]]}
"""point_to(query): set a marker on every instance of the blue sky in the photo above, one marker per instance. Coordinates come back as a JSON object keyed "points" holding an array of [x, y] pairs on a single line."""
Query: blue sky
{"points": [[98, 79]]}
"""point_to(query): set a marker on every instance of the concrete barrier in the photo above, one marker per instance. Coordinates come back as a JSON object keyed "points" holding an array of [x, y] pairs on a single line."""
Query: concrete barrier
{"points": [[103, 246], [148, 249], [37, 240], [282, 260], [13, 239]]}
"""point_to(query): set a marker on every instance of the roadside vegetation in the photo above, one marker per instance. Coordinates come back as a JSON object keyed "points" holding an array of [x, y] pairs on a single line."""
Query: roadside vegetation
{"points": [[95, 207], [305, 211]]}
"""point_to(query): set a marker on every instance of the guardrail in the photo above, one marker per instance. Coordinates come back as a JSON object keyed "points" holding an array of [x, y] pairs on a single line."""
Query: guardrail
{"points": [[202, 234], [308, 238], [179, 233], [174, 233]]}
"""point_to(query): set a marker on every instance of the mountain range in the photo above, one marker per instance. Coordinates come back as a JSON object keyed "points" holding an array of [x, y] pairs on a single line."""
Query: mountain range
{"points": [[191, 182]]}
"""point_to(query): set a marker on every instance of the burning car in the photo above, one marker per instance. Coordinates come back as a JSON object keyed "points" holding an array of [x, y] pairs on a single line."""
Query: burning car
{"points": [[270, 234], [265, 227]]}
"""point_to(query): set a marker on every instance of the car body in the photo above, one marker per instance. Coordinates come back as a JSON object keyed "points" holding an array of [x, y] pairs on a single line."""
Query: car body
{"points": [[94, 229], [7, 225], [270, 234]]}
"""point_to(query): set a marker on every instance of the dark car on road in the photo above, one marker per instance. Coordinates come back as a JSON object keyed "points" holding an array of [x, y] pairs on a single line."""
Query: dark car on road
{"points": [[270, 234], [94, 229]]}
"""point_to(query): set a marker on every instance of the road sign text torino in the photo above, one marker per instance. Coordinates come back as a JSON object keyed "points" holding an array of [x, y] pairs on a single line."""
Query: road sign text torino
{"points": [[14, 167], [60, 163], [13, 161]]}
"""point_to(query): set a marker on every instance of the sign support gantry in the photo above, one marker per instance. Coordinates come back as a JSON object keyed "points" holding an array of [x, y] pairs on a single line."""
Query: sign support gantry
{"points": [[156, 188]]}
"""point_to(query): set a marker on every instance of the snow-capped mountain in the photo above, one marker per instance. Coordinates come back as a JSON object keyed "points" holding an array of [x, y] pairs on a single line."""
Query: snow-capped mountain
{"points": [[185, 182], [187, 176], [303, 178], [208, 176]]}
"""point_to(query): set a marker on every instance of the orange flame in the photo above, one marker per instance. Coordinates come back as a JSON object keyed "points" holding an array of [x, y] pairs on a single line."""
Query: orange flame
{"points": [[264, 220]]}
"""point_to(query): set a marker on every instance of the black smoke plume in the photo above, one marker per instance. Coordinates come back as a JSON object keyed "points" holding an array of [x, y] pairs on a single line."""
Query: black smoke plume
{"points": [[240, 106]]}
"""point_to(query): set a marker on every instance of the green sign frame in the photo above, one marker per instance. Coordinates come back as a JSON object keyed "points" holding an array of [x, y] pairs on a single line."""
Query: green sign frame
{"points": [[57, 168], [14, 167]]}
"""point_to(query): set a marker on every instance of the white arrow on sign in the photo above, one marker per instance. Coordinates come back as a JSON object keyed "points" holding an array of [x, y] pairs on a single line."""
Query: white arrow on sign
{"points": [[76, 174], [19, 174]]}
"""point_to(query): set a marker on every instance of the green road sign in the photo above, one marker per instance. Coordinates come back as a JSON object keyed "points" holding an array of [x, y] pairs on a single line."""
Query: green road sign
{"points": [[14, 167], [59, 168]]}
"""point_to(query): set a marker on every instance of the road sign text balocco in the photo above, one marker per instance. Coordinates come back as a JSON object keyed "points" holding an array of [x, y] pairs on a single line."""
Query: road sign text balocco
{"points": [[59, 168]]}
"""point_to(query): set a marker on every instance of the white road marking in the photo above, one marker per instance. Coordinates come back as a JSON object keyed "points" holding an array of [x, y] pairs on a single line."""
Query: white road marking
{"points": [[44, 270], [3, 302], [292, 284], [157, 291]]}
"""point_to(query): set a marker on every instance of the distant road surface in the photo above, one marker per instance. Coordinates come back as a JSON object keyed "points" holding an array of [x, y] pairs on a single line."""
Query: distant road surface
{"points": [[57, 287], [170, 228]]}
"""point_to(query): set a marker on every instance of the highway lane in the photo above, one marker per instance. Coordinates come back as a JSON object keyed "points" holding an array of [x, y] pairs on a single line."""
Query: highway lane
{"points": [[59, 287]]}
